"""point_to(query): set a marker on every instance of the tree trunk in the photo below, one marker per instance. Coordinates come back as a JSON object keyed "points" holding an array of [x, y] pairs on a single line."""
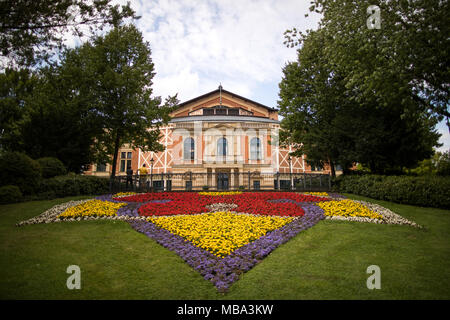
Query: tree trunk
{"points": [[115, 156], [333, 171]]}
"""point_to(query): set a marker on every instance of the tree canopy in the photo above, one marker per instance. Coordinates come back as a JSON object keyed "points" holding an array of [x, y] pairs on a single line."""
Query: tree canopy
{"points": [[30, 30], [119, 70], [346, 100], [409, 53], [83, 109]]}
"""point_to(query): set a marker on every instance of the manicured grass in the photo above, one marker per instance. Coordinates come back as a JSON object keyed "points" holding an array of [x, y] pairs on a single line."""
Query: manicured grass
{"points": [[328, 261]]}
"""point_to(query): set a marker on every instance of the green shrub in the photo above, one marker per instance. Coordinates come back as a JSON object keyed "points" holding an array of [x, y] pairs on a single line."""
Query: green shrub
{"points": [[20, 170], [73, 185], [10, 194], [427, 191], [51, 167]]}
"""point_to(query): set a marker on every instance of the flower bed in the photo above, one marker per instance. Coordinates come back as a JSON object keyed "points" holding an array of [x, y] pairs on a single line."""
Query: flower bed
{"points": [[348, 208], [222, 193], [92, 208], [320, 194], [194, 203], [220, 235], [222, 272], [220, 232]]}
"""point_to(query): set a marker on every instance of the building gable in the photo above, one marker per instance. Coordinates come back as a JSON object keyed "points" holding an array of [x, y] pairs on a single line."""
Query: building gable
{"points": [[227, 100]]}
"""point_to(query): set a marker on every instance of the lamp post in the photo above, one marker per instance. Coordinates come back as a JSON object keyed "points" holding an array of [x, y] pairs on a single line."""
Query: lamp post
{"points": [[290, 172], [151, 173]]}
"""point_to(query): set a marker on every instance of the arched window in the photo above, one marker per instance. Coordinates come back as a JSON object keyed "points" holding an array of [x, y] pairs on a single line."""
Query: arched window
{"points": [[222, 147], [189, 148], [255, 149]]}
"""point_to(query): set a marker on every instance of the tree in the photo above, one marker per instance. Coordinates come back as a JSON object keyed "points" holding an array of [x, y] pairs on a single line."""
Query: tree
{"points": [[443, 164], [409, 54], [309, 98], [119, 70], [50, 115], [85, 108], [15, 88], [334, 125], [30, 30]]}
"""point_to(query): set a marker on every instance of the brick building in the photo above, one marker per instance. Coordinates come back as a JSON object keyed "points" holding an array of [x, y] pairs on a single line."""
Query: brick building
{"points": [[221, 134]]}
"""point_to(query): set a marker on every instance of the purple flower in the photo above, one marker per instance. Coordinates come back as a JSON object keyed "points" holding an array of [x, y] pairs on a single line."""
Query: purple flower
{"points": [[223, 272]]}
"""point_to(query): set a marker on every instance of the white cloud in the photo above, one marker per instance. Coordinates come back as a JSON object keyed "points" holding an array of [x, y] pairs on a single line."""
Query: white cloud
{"points": [[445, 138], [197, 44]]}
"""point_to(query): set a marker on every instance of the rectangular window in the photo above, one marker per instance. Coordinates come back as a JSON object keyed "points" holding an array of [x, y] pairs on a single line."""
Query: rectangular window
{"points": [[101, 167], [208, 112], [188, 185], [233, 112], [256, 185], [125, 161]]}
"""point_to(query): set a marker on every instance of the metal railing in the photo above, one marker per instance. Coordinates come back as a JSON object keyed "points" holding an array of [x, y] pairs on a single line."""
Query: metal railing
{"points": [[219, 181]]}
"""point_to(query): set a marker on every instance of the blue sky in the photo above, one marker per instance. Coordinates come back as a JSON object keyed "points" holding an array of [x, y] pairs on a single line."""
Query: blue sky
{"points": [[197, 44]]}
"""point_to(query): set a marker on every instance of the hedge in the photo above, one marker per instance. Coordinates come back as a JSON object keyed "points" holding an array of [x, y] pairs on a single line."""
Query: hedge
{"points": [[72, 185], [426, 191], [51, 167], [10, 194], [20, 170]]}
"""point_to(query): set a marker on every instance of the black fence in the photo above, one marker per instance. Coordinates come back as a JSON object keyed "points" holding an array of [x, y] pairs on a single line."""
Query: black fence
{"points": [[219, 181]]}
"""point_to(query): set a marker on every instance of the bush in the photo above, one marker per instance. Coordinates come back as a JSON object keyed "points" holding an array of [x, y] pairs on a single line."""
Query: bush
{"points": [[51, 167], [10, 194], [20, 170], [72, 185], [427, 191]]}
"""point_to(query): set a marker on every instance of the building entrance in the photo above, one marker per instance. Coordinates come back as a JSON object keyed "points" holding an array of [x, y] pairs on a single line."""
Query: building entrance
{"points": [[222, 181]]}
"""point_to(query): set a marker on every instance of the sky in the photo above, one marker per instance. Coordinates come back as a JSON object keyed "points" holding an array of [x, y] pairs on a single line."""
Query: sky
{"points": [[198, 44]]}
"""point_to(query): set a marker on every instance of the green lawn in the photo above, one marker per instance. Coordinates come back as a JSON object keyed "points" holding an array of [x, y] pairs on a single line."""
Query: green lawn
{"points": [[328, 261]]}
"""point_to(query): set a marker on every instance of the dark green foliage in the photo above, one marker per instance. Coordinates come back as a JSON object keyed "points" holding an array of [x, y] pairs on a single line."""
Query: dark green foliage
{"points": [[408, 56], [427, 191], [20, 170], [30, 30], [350, 98], [10, 194], [51, 167], [42, 117], [118, 70], [15, 88], [72, 185], [443, 164]]}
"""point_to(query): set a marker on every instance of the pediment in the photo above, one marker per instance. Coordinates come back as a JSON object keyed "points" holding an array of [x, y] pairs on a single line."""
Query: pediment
{"points": [[221, 100]]}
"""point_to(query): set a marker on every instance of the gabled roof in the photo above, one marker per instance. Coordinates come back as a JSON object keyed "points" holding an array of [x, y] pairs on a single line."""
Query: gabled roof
{"points": [[228, 92]]}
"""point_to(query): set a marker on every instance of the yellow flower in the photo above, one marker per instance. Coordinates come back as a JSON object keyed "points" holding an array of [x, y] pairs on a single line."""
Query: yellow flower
{"points": [[323, 194], [347, 208], [223, 193], [220, 232], [120, 194], [93, 208]]}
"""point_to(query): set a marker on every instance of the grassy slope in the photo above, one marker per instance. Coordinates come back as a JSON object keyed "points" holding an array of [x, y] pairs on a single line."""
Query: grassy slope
{"points": [[328, 261]]}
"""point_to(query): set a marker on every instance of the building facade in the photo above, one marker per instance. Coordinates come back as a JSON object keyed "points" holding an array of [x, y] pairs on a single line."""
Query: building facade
{"points": [[219, 137]]}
